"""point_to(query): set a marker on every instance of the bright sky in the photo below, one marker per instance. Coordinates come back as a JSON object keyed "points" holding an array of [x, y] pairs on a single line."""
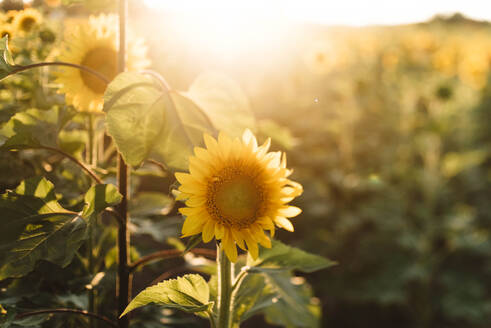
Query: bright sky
{"points": [[344, 12]]}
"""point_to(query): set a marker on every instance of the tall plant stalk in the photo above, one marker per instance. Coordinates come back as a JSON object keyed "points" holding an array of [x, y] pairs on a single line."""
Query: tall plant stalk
{"points": [[92, 160], [225, 277], [124, 274]]}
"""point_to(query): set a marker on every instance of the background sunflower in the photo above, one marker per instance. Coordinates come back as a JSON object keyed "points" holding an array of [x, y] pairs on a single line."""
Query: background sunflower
{"points": [[26, 20], [94, 44]]}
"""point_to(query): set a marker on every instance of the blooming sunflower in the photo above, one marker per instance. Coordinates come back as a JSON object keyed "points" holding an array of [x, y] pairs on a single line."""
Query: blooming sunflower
{"points": [[6, 30], [26, 20], [235, 190], [94, 44]]}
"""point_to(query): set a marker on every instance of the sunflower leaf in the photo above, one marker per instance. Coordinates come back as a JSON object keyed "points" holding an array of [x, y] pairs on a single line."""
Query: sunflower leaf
{"points": [[98, 198], [7, 65], [33, 128], [189, 293], [132, 119], [282, 257], [36, 227], [146, 121]]}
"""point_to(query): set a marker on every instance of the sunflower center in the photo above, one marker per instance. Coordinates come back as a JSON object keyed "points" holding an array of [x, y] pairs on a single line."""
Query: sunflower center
{"points": [[235, 199], [27, 24], [103, 60]]}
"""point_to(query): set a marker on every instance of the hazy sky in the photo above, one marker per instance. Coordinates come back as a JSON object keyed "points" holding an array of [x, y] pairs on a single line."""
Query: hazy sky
{"points": [[349, 12]]}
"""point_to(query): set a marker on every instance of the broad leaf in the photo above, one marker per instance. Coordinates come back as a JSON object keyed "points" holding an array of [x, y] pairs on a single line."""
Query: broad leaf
{"points": [[98, 198], [183, 129], [254, 296], [293, 305], [6, 62], [33, 128], [133, 119], [147, 121], [282, 257], [189, 293], [223, 101], [36, 227]]}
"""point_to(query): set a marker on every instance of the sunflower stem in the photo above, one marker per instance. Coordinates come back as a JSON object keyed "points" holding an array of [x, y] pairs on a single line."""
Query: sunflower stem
{"points": [[124, 275], [225, 301], [91, 159], [89, 70]]}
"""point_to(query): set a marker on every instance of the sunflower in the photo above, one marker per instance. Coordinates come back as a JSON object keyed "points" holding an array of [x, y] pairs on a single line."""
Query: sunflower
{"points": [[6, 30], [235, 190], [94, 44], [26, 20], [10, 15]]}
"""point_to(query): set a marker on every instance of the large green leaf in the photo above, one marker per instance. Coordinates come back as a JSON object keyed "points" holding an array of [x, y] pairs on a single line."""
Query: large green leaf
{"points": [[183, 129], [98, 198], [223, 101], [293, 305], [135, 115], [6, 62], [254, 296], [282, 257], [36, 227], [147, 121], [33, 128], [188, 293]]}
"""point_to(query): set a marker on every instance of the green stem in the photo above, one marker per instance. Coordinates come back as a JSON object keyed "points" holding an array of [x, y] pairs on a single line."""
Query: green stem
{"points": [[124, 275], [225, 304], [91, 159], [19, 69]]}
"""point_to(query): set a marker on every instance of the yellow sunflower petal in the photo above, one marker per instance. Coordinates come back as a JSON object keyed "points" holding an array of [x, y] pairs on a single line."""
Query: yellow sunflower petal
{"points": [[208, 231], [192, 225], [219, 230], [251, 244], [284, 223], [289, 211], [229, 247]]}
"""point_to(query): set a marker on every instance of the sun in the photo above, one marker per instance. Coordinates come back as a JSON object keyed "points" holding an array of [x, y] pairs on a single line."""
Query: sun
{"points": [[235, 191], [94, 44]]}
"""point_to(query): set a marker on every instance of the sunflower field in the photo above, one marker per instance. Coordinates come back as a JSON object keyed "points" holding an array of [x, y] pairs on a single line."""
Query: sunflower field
{"points": [[305, 176]]}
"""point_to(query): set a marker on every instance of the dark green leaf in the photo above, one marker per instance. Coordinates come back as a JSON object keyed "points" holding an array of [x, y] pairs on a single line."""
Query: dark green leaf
{"points": [[282, 257], [98, 198], [293, 305], [253, 297], [6, 62], [192, 242], [36, 227], [189, 293]]}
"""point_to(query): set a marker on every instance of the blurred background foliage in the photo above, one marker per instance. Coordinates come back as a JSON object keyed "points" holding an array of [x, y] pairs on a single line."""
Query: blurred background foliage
{"points": [[387, 128]]}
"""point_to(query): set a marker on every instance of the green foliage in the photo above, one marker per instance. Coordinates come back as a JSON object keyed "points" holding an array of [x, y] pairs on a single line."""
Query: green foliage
{"points": [[132, 103], [282, 257], [33, 128], [6, 62], [36, 227], [188, 293], [98, 198], [167, 124]]}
